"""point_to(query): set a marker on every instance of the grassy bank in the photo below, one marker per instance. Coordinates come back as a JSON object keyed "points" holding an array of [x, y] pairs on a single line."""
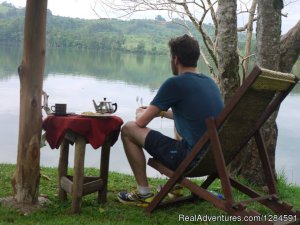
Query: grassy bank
{"points": [[113, 212]]}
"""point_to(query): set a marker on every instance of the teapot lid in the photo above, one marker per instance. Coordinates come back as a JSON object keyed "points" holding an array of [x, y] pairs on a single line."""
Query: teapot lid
{"points": [[104, 100]]}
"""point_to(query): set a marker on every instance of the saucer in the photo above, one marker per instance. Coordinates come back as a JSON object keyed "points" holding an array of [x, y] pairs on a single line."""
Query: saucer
{"points": [[92, 114]]}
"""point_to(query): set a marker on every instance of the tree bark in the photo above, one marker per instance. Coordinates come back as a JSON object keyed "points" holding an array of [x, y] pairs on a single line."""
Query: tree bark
{"points": [[27, 174], [267, 56], [268, 35], [248, 164], [289, 49], [227, 57]]}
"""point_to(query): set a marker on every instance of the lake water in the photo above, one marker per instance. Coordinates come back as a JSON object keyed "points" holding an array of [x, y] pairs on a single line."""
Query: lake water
{"points": [[76, 77]]}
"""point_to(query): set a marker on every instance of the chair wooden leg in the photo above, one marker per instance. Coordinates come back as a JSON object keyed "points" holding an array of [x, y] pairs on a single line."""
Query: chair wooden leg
{"points": [[273, 203], [166, 188], [219, 159], [104, 167], [197, 191], [78, 174], [203, 194], [160, 196], [209, 180], [269, 175], [63, 168]]}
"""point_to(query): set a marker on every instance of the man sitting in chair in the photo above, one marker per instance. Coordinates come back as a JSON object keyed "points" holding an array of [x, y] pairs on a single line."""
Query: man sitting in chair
{"points": [[191, 96]]}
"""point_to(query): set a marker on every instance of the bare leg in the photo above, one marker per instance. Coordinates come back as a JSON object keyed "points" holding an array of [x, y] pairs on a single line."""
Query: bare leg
{"points": [[133, 138]]}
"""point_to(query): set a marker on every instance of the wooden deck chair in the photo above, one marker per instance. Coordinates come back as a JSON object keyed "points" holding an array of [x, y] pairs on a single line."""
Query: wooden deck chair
{"points": [[241, 119]]}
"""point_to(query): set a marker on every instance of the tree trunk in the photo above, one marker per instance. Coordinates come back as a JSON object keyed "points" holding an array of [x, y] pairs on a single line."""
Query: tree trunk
{"points": [[268, 35], [27, 174], [268, 56], [227, 56], [248, 164]]}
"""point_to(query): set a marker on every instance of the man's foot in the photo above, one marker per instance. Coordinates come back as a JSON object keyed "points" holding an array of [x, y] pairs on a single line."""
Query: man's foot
{"points": [[135, 198]]}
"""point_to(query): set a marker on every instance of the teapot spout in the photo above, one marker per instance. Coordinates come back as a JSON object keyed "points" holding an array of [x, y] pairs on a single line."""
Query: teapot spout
{"points": [[95, 105]]}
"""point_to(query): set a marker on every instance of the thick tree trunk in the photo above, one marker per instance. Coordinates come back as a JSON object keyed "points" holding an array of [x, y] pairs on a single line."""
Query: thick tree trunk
{"points": [[268, 35], [267, 56], [27, 174], [248, 164], [227, 56]]}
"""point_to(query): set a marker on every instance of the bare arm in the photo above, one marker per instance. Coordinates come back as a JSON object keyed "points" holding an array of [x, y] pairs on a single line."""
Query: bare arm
{"points": [[144, 115]]}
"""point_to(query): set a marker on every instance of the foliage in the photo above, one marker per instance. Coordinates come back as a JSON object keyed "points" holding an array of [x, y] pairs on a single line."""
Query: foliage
{"points": [[113, 212], [138, 36]]}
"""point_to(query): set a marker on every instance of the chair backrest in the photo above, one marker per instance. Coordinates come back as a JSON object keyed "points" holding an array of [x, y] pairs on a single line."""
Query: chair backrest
{"points": [[258, 97]]}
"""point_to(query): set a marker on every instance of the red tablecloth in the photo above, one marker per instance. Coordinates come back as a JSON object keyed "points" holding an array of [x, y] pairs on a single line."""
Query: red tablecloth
{"points": [[93, 129]]}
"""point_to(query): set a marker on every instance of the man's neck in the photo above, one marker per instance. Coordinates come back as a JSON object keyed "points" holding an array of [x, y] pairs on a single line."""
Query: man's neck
{"points": [[183, 70]]}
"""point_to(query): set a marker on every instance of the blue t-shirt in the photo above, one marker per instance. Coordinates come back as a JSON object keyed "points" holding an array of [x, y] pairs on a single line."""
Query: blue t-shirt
{"points": [[192, 98]]}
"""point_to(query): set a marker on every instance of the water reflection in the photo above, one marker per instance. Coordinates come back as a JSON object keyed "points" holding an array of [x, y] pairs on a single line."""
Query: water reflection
{"points": [[77, 77], [78, 95]]}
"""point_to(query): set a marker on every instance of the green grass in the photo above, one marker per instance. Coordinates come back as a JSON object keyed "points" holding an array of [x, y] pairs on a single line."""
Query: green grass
{"points": [[113, 212]]}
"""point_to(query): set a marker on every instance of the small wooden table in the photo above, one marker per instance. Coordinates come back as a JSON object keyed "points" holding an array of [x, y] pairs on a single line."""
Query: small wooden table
{"points": [[63, 130]]}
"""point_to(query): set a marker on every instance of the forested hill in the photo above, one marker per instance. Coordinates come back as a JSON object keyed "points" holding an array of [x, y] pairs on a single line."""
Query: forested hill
{"points": [[143, 36]]}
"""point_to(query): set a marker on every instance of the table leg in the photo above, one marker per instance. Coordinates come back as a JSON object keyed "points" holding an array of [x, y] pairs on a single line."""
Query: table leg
{"points": [[78, 174], [63, 168], [104, 167]]}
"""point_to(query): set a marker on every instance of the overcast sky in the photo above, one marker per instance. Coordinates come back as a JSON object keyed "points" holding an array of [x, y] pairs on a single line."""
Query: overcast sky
{"points": [[83, 9]]}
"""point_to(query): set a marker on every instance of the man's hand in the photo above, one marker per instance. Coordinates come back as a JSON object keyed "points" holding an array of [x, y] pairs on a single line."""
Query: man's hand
{"points": [[145, 114], [140, 111]]}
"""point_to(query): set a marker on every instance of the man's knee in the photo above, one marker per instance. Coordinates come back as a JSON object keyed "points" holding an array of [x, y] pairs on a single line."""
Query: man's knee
{"points": [[131, 131], [128, 128]]}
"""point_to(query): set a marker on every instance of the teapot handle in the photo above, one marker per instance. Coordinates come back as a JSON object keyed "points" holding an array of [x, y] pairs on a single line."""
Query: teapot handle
{"points": [[116, 106]]}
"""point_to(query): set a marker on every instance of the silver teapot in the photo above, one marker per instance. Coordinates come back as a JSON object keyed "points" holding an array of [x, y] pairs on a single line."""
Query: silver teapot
{"points": [[105, 106]]}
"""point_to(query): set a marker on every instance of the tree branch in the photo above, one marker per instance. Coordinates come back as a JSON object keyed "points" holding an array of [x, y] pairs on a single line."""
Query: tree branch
{"points": [[289, 48], [210, 68], [240, 29], [213, 15], [249, 36], [207, 40]]}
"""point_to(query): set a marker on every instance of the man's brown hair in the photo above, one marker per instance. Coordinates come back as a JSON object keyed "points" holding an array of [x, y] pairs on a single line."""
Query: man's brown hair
{"points": [[186, 49]]}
